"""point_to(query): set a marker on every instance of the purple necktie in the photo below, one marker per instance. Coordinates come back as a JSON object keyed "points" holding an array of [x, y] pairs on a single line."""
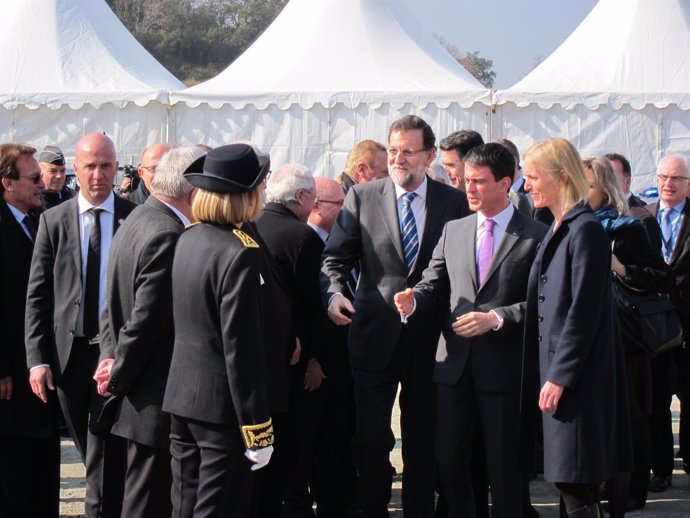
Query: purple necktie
{"points": [[486, 250]]}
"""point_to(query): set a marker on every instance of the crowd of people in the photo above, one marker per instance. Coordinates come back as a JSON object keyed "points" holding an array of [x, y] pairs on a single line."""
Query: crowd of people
{"points": [[226, 338]]}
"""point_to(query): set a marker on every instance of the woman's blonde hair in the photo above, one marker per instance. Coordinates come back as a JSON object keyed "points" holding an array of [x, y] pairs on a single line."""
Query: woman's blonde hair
{"points": [[608, 182], [226, 209], [558, 158]]}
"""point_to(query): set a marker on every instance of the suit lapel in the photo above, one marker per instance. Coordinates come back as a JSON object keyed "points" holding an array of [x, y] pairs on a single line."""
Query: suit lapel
{"points": [[434, 220], [8, 221], [71, 224], [388, 208], [469, 249]]}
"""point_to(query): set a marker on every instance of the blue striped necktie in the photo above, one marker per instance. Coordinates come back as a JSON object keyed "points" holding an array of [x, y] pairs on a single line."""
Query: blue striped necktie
{"points": [[410, 239]]}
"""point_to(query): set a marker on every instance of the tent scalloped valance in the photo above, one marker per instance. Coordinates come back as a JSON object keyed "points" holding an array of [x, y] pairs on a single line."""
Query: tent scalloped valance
{"points": [[593, 100]]}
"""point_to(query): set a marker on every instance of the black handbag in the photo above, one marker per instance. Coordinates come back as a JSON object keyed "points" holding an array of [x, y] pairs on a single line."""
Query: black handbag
{"points": [[649, 323]]}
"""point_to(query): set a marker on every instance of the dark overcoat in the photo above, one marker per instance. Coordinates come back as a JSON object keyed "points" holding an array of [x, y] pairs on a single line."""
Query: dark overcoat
{"points": [[571, 321], [137, 326]]}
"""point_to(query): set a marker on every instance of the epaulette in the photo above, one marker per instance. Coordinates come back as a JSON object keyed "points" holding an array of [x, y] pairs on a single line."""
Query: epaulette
{"points": [[246, 239], [258, 435]]}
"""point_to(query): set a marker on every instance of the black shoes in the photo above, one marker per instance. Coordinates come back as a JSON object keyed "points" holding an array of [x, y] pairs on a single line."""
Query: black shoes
{"points": [[659, 483]]}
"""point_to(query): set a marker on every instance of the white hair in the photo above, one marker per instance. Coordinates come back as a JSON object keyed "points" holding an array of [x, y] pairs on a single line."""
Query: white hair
{"points": [[284, 183], [168, 180]]}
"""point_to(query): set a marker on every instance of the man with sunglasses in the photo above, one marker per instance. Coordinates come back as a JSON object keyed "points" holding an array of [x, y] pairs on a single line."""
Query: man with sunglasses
{"points": [[29, 440]]}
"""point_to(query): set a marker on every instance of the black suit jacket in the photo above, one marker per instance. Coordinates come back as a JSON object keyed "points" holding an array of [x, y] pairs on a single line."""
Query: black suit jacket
{"points": [[680, 266], [55, 284], [297, 248], [24, 415], [494, 358], [366, 235], [137, 325]]}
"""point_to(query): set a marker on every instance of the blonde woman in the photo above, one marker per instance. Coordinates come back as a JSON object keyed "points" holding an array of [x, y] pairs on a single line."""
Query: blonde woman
{"points": [[571, 321], [216, 391]]}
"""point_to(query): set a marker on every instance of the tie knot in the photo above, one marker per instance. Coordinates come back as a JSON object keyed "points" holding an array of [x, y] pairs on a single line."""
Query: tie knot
{"points": [[489, 225], [95, 211], [409, 197], [667, 212]]}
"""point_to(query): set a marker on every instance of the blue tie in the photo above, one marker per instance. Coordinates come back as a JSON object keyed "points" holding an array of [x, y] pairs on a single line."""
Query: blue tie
{"points": [[667, 232], [409, 230]]}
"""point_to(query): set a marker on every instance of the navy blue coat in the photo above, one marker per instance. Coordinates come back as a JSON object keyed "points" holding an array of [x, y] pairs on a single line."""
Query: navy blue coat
{"points": [[571, 320]]}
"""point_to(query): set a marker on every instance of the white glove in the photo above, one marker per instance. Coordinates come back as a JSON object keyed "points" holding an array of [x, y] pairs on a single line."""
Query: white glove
{"points": [[259, 457]]}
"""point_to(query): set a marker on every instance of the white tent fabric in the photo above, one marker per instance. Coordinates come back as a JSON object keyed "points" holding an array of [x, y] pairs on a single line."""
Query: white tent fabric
{"points": [[326, 74], [77, 67], [620, 82]]}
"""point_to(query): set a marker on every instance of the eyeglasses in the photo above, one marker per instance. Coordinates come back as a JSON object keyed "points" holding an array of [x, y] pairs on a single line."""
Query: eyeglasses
{"points": [[35, 178], [336, 202], [406, 153], [671, 179], [150, 168]]}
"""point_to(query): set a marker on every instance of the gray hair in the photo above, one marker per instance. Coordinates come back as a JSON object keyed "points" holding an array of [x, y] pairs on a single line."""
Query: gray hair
{"points": [[675, 158], [168, 180], [284, 183]]}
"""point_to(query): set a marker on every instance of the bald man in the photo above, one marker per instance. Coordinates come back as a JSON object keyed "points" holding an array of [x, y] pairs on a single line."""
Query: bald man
{"points": [[66, 294], [146, 170]]}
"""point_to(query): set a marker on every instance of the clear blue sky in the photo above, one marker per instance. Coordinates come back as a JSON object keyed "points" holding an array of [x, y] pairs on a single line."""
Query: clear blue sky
{"points": [[512, 33]]}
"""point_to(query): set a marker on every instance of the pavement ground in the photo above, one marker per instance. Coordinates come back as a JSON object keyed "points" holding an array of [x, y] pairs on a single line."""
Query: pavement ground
{"points": [[674, 503]]}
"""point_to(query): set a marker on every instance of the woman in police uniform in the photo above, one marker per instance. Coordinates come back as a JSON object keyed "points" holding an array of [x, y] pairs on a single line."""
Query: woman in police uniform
{"points": [[216, 391]]}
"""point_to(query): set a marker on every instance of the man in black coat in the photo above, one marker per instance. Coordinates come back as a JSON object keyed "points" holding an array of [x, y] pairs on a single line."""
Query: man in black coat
{"points": [[385, 352], [53, 169], [64, 299], [672, 212], [296, 248], [137, 333], [479, 357], [29, 440]]}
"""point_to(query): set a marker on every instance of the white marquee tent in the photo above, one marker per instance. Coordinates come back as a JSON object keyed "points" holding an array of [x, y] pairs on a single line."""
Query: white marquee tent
{"points": [[325, 75], [70, 67], [620, 82]]}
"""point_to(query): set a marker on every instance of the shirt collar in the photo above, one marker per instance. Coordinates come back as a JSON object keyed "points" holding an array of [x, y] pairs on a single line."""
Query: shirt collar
{"points": [[420, 191], [502, 218], [321, 232], [108, 205], [18, 214], [179, 214], [680, 207]]}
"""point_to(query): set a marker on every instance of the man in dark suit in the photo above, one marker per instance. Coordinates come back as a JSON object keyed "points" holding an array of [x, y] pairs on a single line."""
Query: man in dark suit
{"points": [[365, 162], [453, 150], [66, 293], [296, 248], [383, 350], [29, 440], [137, 333], [479, 357], [672, 211], [621, 167]]}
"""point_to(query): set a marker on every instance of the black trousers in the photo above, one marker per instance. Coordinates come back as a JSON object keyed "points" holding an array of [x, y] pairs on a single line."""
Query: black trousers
{"points": [[211, 476], [147, 481], [375, 391], [461, 411], [103, 453], [30, 476]]}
